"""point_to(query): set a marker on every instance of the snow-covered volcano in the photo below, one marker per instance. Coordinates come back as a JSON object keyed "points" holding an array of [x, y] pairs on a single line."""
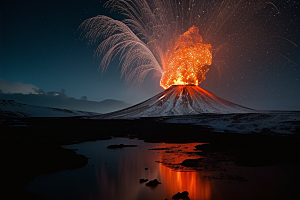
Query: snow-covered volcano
{"points": [[179, 100]]}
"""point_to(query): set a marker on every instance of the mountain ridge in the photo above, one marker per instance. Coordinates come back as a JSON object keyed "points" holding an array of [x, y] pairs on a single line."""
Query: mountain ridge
{"points": [[64, 102], [10, 108]]}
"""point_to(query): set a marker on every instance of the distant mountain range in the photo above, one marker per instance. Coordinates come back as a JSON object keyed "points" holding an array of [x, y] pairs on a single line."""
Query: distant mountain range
{"points": [[10, 108], [65, 102]]}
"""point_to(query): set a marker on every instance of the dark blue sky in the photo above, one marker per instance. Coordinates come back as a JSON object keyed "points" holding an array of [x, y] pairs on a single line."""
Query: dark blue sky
{"points": [[40, 45]]}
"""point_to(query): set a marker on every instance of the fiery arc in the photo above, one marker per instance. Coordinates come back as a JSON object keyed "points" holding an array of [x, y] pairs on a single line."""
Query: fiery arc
{"points": [[187, 60], [151, 36]]}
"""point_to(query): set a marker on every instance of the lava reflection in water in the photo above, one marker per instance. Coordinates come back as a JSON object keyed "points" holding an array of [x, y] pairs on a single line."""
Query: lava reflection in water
{"points": [[178, 178], [114, 174], [122, 183], [192, 182]]}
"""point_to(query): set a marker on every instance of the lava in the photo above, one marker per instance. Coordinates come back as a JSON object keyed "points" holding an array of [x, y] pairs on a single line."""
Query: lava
{"points": [[187, 61]]}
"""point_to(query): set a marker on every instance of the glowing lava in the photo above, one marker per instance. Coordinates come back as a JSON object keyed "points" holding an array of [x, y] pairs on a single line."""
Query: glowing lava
{"points": [[187, 61]]}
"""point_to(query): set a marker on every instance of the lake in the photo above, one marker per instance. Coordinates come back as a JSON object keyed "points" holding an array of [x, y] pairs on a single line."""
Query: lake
{"points": [[114, 174]]}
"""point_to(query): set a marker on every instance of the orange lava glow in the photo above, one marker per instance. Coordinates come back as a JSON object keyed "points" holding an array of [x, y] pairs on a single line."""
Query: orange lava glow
{"points": [[193, 182], [193, 91], [182, 179], [187, 60]]}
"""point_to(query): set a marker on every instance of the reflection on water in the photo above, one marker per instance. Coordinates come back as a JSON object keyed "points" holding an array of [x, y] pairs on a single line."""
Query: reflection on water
{"points": [[114, 174], [178, 178], [174, 154], [124, 182], [192, 182]]}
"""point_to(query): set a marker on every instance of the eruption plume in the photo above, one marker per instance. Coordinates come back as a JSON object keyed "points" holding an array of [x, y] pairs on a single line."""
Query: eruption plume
{"points": [[187, 61], [162, 35], [165, 36]]}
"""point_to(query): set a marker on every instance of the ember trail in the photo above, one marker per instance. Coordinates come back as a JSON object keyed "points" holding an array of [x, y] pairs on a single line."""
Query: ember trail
{"points": [[187, 61], [163, 36]]}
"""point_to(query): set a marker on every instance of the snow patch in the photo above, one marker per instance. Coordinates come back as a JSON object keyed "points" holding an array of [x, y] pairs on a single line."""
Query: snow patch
{"points": [[10, 108], [268, 122]]}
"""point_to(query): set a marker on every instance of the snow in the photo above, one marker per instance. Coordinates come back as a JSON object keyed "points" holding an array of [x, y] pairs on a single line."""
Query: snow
{"points": [[279, 122], [196, 106], [14, 109], [178, 100]]}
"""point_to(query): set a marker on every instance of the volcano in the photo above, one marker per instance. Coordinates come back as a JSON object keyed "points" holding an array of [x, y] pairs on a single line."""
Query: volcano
{"points": [[179, 100]]}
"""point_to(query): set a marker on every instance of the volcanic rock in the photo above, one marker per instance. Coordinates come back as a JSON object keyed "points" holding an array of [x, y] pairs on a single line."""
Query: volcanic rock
{"points": [[191, 162], [183, 195], [153, 183], [143, 180], [116, 146]]}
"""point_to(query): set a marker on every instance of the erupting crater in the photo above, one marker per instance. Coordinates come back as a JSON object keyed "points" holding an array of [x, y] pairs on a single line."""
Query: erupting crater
{"points": [[186, 60], [184, 67]]}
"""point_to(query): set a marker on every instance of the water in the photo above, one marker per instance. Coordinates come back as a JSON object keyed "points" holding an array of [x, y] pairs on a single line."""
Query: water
{"points": [[114, 174]]}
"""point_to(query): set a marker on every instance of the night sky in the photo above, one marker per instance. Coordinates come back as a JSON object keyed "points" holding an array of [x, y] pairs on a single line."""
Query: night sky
{"points": [[41, 46]]}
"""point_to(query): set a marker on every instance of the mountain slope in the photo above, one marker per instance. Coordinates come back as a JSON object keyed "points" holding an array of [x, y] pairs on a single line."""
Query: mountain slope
{"points": [[179, 100], [10, 108], [62, 101]]}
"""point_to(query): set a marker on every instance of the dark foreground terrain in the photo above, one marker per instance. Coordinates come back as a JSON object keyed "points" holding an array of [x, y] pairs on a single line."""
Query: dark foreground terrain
{"points": [[32, 146]]}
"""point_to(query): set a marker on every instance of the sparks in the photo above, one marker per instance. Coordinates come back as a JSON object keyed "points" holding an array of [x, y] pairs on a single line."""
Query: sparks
{"points": [[187, 61], [160, 36]]}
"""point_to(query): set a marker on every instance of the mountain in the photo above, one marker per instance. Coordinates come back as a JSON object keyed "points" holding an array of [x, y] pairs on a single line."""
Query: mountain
{"points": [[195, 106], [10, 108], [179, 100], [62, 101]]}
